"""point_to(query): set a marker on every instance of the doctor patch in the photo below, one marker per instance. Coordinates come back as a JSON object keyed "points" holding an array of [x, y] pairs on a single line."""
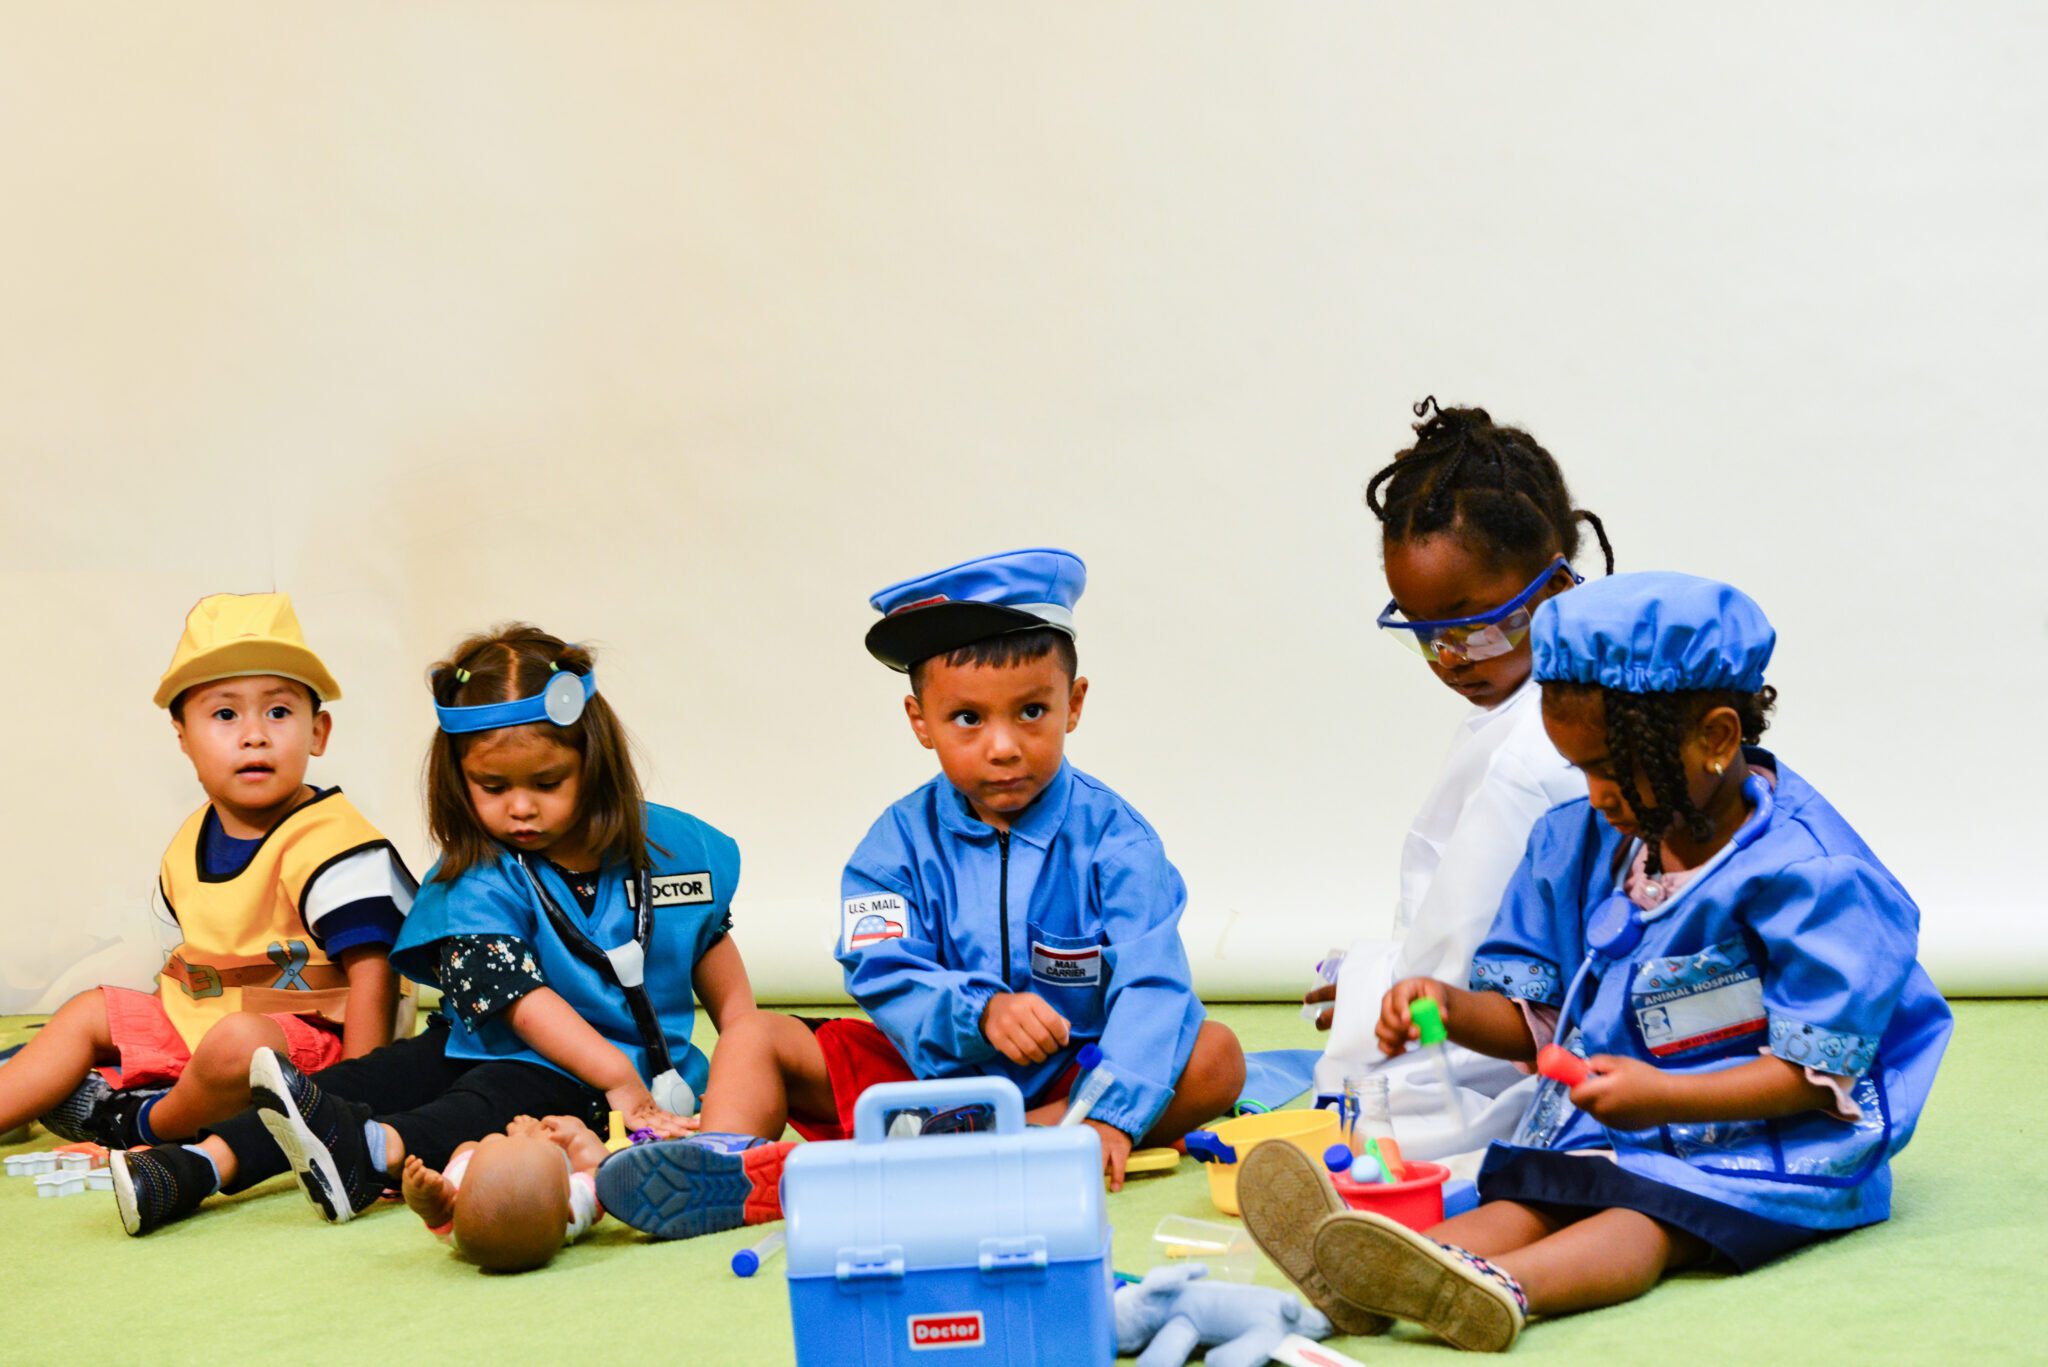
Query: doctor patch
{"points": [[1067, 967], [680, 889], [871, 919]]}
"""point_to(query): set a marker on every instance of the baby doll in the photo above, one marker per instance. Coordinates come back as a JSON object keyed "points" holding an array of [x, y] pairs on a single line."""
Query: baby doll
{"points": [[508, 1202]]}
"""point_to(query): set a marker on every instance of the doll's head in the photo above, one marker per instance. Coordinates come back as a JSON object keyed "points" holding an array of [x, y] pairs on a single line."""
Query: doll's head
{"points": [[513, 1205], [1477, 530], [567, 789]]}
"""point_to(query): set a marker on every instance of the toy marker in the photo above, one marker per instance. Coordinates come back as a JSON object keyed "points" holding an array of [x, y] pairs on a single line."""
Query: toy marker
{"points": [[747, 1261], [1091, 1090]]}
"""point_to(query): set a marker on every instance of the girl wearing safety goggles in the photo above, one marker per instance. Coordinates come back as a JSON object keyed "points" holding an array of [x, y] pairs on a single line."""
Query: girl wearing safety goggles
{"points": [[1478, 528]]}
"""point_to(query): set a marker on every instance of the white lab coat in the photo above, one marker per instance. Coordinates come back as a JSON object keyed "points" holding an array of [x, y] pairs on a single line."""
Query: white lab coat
{"points": [[1502, 773]]}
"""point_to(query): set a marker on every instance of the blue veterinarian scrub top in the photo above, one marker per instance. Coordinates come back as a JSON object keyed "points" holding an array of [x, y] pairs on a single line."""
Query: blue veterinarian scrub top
{"points": [[940, 912], [1799, 943], [696, 867]]}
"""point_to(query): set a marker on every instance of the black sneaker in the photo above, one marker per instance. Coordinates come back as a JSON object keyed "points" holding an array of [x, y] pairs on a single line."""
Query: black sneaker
{"points": [[321, 1135], [95, 1113], [74, 1117], [153, 1187]]}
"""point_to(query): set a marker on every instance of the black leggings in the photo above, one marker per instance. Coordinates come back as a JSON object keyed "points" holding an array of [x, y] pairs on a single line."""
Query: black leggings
{"points": [[434, 1102]]}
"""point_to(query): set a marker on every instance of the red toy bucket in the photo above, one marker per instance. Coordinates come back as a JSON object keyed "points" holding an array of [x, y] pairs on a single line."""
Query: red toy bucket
{"points": [[1417, 1201]]}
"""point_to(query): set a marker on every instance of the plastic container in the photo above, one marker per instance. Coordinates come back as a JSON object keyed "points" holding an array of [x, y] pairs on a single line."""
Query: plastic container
{"points": [[1226, 1250], [993, 1242], [1223, 1146], [1369, 1121], [1417, 1201]]}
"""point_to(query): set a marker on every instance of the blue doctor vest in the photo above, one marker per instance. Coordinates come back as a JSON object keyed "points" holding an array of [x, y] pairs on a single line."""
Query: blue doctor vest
{"points": [[1799, 943], [696, 867], [1076, 903]]}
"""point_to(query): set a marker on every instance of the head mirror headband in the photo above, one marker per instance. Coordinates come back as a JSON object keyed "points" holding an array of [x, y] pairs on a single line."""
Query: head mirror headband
{"points": [[561, 702]]}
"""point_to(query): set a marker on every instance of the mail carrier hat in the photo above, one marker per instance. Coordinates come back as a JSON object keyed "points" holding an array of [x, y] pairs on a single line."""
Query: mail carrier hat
{"points": [[234, 635], [1653, 632], [997, 594]]}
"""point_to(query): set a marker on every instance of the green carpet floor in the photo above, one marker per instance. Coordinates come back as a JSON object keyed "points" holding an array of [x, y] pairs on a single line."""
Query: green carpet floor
{"points": [[1954, 1277]]}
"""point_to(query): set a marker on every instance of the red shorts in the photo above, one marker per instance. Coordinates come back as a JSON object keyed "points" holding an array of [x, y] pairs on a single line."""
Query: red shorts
{"points": [[859, 1056], [153, 1054]]}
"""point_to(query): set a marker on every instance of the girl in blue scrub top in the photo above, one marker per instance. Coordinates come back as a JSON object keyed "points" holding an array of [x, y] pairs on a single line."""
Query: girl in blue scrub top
{"points": [[1719, 947], [569, 923]]}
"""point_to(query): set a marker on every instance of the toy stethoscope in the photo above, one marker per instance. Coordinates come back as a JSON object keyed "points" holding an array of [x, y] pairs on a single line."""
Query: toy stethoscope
{"points": [[1616, 926], [625, 967]]}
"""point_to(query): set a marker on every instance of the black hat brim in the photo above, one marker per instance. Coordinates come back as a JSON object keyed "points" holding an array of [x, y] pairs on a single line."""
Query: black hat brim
{"points": [[902, 639]]}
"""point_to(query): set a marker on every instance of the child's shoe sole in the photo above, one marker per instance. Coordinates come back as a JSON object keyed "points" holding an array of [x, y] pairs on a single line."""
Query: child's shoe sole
{"points": [[1369, 1259], [1285, 1195], [677, 1189], [311, 1162], [124, 1193]]}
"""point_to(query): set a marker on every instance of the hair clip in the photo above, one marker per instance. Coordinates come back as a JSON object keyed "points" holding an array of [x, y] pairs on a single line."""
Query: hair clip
{"points": [[461, 675]]}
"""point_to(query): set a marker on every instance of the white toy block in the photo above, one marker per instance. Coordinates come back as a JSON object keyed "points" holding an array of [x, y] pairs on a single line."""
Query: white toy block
{"points": [[31, 1164], [74, 1162], [100, 1179], [60, 1184]]}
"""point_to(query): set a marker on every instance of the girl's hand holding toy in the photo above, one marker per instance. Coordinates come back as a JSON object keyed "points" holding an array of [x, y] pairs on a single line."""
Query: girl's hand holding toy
{"points": [[1394, 1028], [635, 1104], [1624, 1093]]}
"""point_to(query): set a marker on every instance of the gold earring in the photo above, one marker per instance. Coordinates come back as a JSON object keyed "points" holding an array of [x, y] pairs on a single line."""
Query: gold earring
{"points": [[1718, 767]]}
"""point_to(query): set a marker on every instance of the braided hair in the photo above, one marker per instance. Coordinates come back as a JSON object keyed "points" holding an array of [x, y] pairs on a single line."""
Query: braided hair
{"points": [[1492, 485], [1644, 734]]}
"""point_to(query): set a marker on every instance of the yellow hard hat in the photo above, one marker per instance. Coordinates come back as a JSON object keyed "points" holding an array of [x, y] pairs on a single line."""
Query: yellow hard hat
{"points": [[233, 635]]}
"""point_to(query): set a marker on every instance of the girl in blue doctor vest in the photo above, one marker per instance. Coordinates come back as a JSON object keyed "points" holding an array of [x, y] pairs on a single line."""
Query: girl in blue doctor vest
{"points": [[568, 923], [570, 926], [1478, 530], [1731, 962]]}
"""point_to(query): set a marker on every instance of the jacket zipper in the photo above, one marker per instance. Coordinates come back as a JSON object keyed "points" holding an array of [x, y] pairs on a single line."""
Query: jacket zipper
{"points": [[1003, 902]]}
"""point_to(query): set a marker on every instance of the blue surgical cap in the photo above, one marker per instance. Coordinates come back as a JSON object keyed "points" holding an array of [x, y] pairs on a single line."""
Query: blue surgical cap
{"points": [[1653, 632]]}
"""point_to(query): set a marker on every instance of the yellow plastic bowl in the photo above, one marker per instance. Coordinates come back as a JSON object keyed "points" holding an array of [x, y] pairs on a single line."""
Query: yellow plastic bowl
{"points": [[1310, 1131]]}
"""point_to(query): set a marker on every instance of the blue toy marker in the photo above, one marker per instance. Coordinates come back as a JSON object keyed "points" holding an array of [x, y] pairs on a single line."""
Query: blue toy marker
{"points": [[747, 1261], [1091, 1090]]}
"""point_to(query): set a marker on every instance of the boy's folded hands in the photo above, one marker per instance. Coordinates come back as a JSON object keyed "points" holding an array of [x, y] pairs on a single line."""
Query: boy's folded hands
{"points": [[1023, 1027]]}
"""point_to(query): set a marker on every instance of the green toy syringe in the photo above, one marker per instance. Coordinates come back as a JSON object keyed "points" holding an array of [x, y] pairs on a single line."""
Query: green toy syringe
{"points": [[1429, 1025]]}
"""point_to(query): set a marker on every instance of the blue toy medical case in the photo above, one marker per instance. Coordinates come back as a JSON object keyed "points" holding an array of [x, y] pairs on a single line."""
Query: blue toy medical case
{"points": [[991, 1246]]}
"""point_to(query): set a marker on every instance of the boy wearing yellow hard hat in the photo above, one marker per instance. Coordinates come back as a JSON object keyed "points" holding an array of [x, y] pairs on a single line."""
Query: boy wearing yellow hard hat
{"points": [[287, 901]]}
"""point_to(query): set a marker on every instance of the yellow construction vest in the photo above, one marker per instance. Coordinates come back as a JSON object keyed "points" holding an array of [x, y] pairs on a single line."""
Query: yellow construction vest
{"points": [[246, 946]]}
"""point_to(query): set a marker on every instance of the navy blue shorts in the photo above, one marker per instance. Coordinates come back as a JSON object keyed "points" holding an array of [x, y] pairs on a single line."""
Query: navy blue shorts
{"points": [[1540, 1177]]}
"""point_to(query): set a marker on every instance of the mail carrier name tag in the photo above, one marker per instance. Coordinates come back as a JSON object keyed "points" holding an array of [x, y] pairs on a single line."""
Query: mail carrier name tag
{"points": [[1696, 1015], [1067, 967]]}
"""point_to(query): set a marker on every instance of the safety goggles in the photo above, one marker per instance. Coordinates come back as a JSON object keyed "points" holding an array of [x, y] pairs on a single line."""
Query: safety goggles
{"points": [[1486, 636]]}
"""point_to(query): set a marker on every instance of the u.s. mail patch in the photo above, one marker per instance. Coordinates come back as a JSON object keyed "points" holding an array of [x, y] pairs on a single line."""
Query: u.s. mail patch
{"points": [[872, 918]]}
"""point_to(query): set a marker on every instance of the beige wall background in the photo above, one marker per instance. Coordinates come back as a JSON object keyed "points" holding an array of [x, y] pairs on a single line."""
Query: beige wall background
{"points": [[679, 328]]}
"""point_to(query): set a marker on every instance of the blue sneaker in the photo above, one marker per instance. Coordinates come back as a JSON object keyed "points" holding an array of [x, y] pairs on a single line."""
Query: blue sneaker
{"points": [[680, 1188], [968, 1119]]}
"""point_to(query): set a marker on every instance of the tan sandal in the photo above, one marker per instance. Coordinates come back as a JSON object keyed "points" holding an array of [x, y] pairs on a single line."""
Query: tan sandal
{"points": [[1285, 1195], [1369, 1260]]}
